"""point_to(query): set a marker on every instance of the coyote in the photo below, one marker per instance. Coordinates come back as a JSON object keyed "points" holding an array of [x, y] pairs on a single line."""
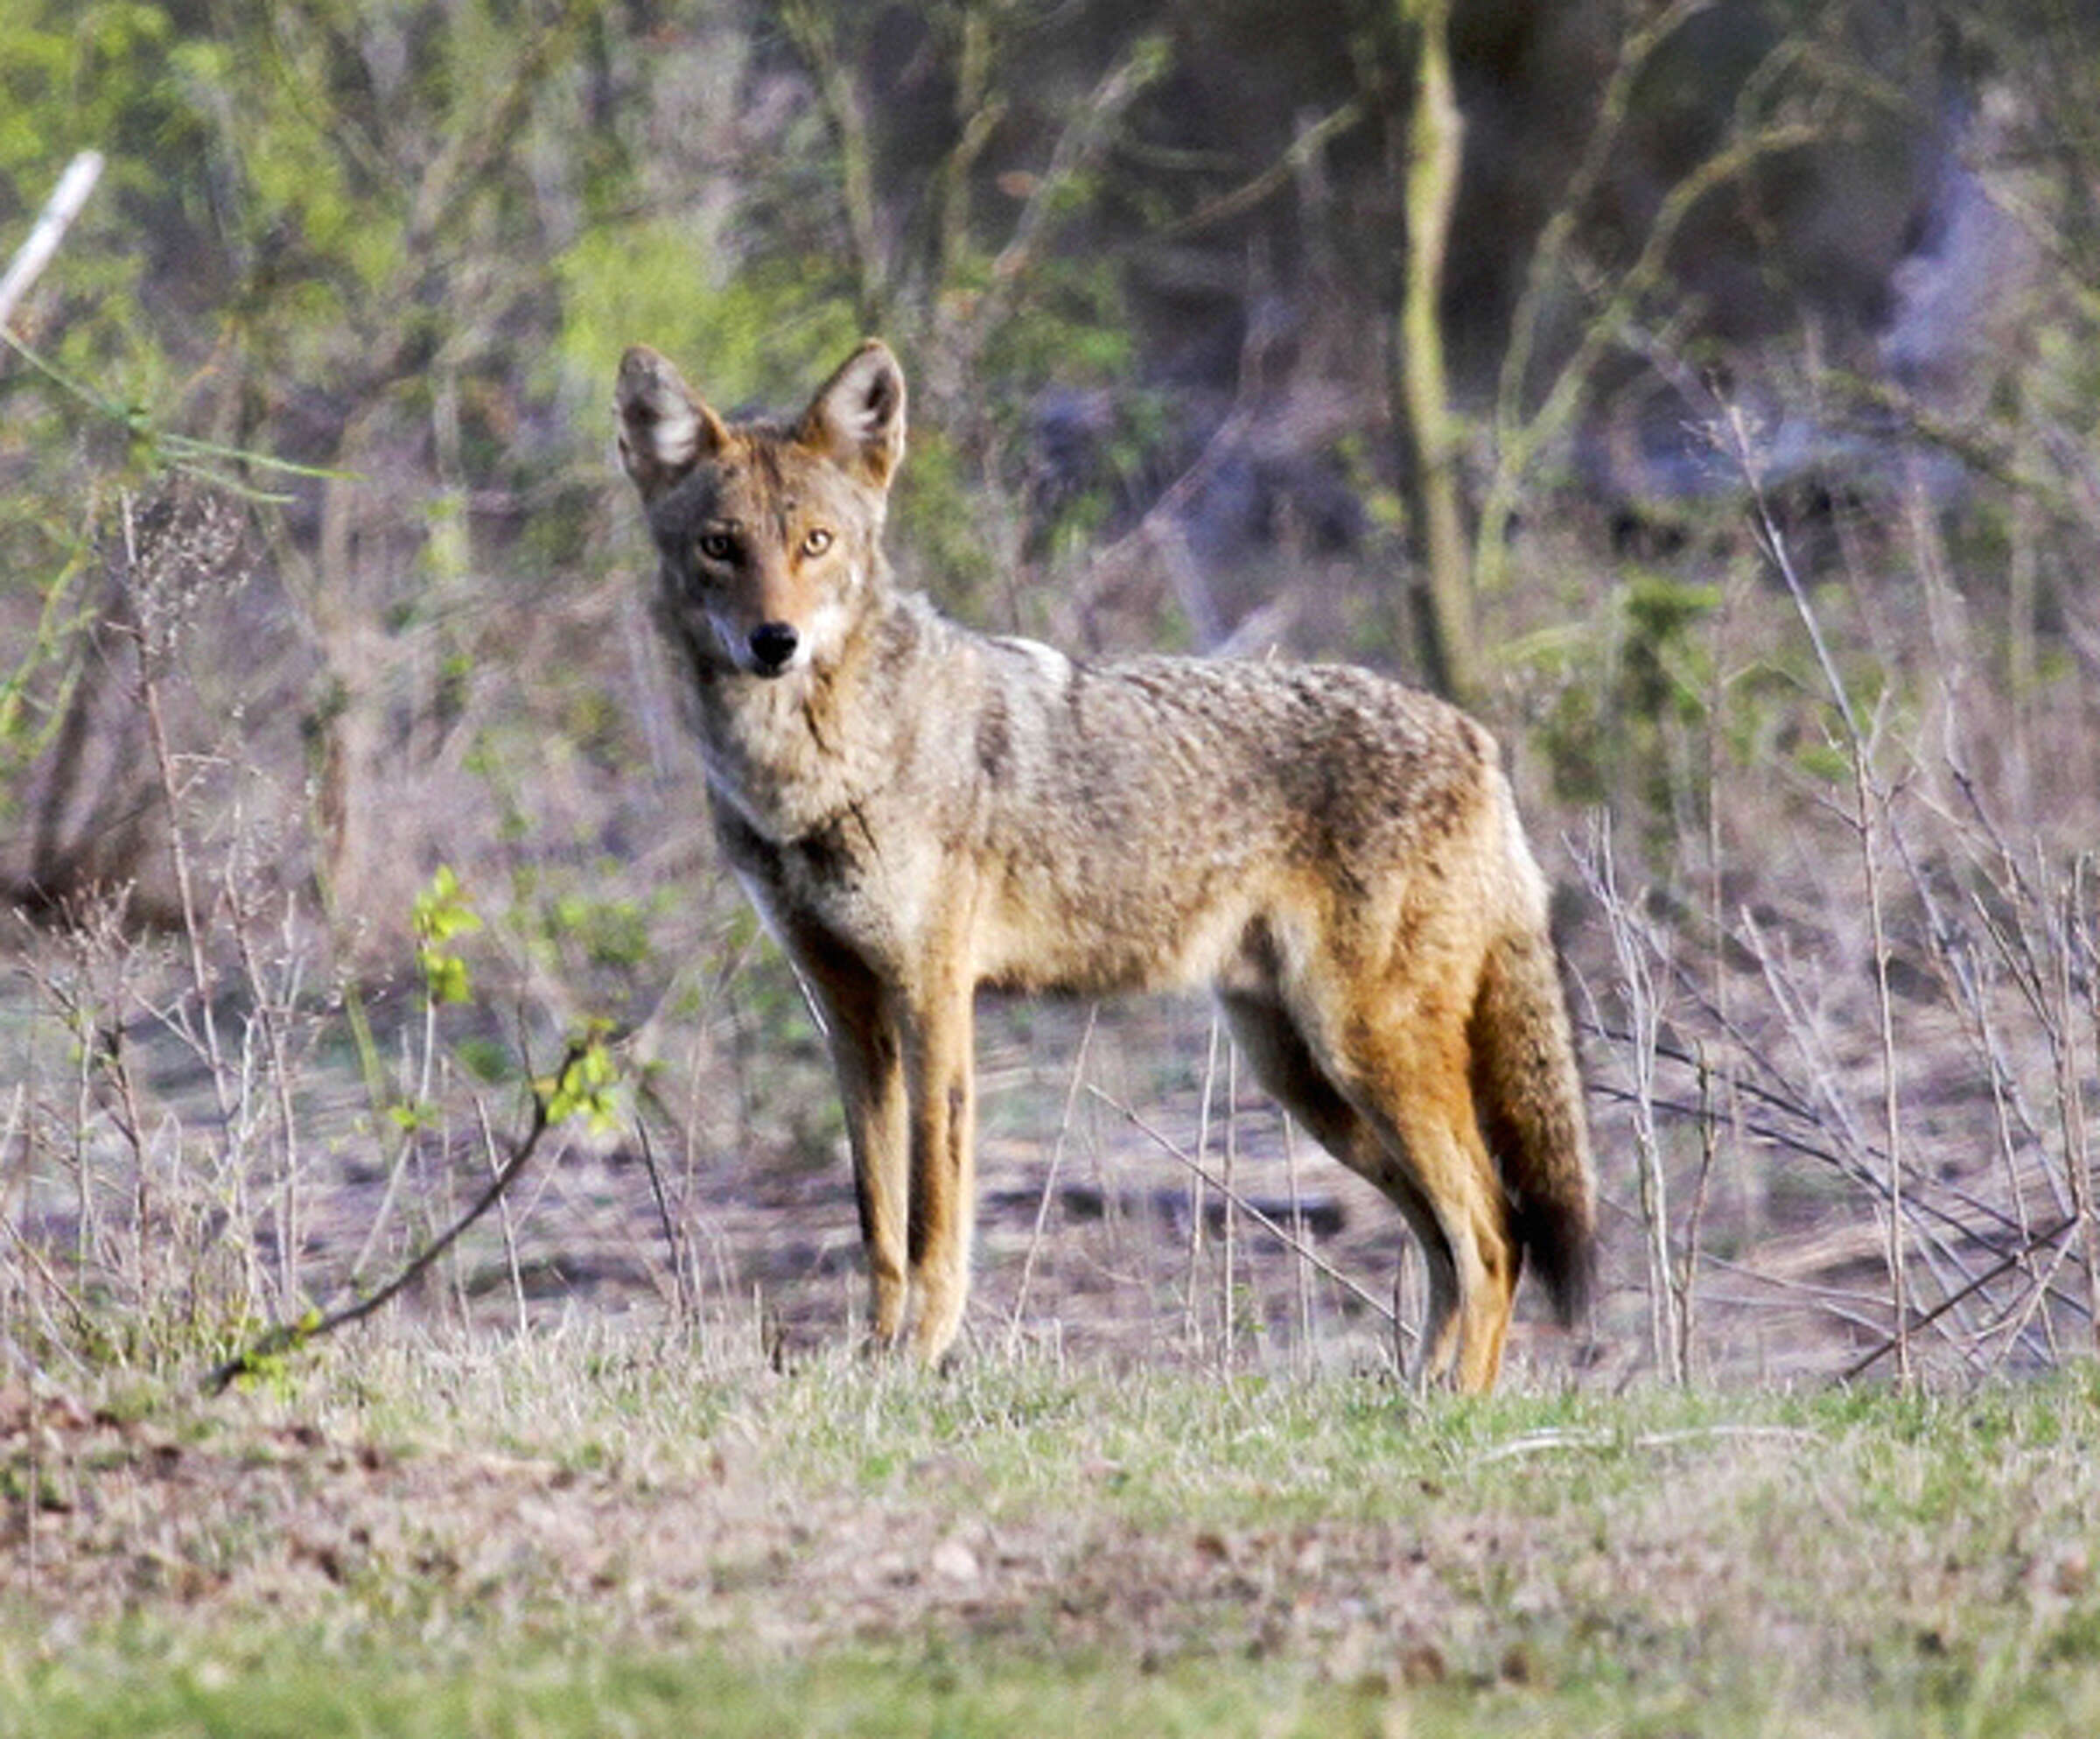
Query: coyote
{"points": [[917, 811]]}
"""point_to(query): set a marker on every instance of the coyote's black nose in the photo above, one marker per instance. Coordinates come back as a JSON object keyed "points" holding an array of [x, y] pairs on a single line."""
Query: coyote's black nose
{"points": [[772, 645]]}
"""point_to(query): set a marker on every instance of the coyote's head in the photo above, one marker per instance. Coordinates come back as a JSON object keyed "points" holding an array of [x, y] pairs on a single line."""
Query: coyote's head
{"points": [[769, 533]]}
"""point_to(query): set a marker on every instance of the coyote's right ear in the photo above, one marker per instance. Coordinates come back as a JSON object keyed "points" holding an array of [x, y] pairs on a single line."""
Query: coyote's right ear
{"points": [[664, 429]]}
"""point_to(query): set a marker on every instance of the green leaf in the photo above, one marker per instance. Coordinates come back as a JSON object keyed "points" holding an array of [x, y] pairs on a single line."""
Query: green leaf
{"points": [[441, 913], [584, 1086]]}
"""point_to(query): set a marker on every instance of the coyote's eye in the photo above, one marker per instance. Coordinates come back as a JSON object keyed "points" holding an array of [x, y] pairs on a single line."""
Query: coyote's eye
{"points": [[816, 541], [717, 546]]}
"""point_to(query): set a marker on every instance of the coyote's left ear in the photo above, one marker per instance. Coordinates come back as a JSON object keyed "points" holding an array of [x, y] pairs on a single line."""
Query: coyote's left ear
{"points": [[664, 428], [857, 419]]}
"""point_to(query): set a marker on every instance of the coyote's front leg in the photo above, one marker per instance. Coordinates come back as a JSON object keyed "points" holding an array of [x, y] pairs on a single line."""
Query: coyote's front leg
{"points": [[862, 1021], [939, 1068]]}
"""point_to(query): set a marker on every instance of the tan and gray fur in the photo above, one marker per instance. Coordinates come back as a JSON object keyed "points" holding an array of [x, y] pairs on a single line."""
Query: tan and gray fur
{"points": [[919, 810]]}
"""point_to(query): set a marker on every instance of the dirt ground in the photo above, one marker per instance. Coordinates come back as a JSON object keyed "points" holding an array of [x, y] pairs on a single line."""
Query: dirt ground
{"points": [[240, 1520], [287, 1521]]}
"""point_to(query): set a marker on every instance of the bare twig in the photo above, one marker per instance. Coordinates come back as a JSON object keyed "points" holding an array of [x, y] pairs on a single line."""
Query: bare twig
{"points": [[510, 1237], [1536, 1442], [152, 637], [1519, 442], [1921, 1211], [1301, 1266], [1872, 803], [282, 1337], [1688, 1263], [2029, 1247], [1080, 147], [1191, 1320], [1057, 1156], [681, 1286], [2070, 1098], [271, 1010], [1296, 1244], [1311, 140], [1668, 1331]]}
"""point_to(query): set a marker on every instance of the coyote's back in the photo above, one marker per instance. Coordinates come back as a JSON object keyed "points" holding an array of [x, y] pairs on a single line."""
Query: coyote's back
{"points": [[917, 811]]}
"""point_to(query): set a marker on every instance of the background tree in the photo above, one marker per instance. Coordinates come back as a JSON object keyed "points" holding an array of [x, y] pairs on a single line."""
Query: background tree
{"points": [[1176, 291]]}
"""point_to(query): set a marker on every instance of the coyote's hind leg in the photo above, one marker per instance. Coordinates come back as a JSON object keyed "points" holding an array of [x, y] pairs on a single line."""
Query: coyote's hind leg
{"points": [[1286, 1065], [1418, 1099]]}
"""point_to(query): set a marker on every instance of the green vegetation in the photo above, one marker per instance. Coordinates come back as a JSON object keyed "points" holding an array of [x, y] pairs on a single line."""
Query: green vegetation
{"points": [[591, 1531], [553, 1695]]}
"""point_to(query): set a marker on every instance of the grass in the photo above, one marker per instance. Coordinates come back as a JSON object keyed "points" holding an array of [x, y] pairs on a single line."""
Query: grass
{"points": [[591, 1531], [861, 1695]]}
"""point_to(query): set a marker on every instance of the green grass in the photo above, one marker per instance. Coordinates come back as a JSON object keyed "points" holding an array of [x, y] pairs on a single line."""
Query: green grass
{"points": [[588, 1533], [931, 1692], [938, 1690]]}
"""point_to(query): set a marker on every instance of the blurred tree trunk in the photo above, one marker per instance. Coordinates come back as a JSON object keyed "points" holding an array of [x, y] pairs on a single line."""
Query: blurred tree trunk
{"points": [[814, 30], [1437, 532], [94, 824], [102, 800]]}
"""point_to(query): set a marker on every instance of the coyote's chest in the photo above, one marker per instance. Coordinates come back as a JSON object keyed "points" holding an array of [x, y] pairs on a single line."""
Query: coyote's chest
{"points": [[777, 758], [816, 828], [850, 883]]}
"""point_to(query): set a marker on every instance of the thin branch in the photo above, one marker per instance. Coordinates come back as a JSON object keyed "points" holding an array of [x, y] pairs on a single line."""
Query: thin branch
{"points": [[1871, 799], [1518, 444], [1057, 1159], [1550, 254], [282, 1337], [680, 1283], [1668, 1334], [1250, 195], [1079, 148], [2039, 1242], [1295, 1245], [1574, 1437]]}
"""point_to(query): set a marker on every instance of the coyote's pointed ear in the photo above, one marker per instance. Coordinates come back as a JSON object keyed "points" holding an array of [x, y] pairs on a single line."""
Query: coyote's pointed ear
{"points": [[857, 419], [664, 429]]}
